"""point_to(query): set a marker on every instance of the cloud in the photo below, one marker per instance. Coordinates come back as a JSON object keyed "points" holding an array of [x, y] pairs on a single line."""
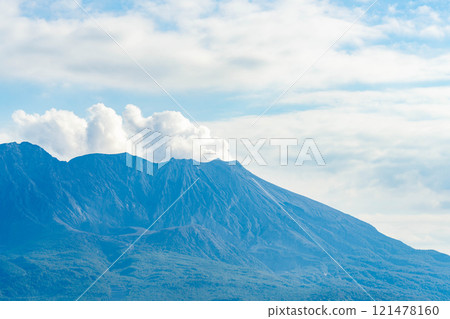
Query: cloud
{"points": [[221, 46], [386, 155], [170, 123], [66, 135], [366, 152], [426, 231], [61, 132], [5, 138], [420, 21], [105, 132]]}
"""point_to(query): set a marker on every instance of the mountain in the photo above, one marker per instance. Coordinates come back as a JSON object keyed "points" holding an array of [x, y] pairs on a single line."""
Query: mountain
{"points": [[231, 236]]}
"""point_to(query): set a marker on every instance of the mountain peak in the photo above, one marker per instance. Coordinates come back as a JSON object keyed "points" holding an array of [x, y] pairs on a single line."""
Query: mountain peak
{"points": [[23, 146], [25, 154]]}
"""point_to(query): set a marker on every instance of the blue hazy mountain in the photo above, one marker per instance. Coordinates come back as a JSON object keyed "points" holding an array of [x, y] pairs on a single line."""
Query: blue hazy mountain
{"points": [[63, 223]]}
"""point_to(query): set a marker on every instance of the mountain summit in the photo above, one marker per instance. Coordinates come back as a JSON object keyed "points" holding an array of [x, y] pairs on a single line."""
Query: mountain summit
{"points": [[231, 236]]}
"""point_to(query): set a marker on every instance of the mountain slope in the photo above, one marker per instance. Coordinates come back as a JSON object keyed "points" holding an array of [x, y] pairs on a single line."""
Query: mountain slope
{"points": [[64, 223]]}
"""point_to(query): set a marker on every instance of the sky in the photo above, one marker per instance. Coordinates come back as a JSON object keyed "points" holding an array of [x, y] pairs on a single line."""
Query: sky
{"points": [[377, 102]]}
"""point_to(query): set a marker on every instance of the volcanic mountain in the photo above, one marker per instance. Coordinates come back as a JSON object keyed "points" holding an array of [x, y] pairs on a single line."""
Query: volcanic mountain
{"points": [[217, 233]]}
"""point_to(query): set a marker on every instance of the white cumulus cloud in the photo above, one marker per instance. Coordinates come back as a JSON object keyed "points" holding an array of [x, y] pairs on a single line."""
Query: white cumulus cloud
{"points": [[66, 135], [61, 132]]}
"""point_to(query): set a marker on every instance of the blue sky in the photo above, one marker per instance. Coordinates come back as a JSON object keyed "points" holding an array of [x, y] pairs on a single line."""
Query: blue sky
{"points": [[377, 103]]}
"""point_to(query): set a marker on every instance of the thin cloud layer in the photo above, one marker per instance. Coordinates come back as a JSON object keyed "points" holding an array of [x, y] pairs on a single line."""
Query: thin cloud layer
{"points": [[380, 166], [221, 46]]}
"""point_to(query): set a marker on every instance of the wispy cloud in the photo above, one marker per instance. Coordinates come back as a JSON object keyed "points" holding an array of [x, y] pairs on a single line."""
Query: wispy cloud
{"points": [[233, 45], [386, 155]]}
